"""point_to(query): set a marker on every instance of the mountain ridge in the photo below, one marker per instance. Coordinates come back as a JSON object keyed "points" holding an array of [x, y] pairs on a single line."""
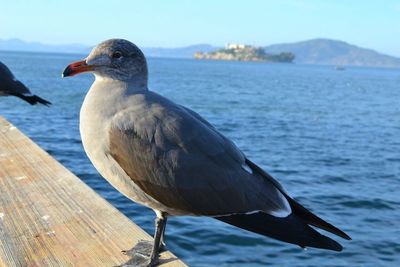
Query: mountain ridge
{"points": [[324, 51]]}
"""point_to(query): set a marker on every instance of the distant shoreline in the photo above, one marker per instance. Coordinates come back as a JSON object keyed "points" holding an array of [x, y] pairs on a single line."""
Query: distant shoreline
{"points": [[150, 56]]}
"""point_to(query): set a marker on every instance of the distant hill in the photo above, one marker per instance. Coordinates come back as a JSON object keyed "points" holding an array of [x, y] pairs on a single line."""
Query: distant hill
{"points": [[181, 52], [333, 52], [316, 51], [19, 45]]}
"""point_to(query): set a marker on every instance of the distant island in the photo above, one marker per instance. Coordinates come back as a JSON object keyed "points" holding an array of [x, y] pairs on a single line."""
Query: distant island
{"points": [[242, 52]]}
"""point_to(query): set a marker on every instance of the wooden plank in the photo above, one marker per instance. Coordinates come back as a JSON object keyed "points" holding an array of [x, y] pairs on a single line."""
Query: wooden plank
{"points": [[49, 217]]}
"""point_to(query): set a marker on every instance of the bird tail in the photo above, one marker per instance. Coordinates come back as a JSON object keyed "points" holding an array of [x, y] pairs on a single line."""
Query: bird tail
{"points": [[32, 99], [292, 229]]}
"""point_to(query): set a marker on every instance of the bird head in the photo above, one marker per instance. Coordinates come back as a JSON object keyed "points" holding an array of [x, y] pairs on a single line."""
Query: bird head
{"points": [[117, 59]]}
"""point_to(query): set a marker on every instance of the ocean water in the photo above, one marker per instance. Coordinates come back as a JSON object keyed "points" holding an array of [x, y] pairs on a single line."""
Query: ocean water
{"points": [[332, 138]]}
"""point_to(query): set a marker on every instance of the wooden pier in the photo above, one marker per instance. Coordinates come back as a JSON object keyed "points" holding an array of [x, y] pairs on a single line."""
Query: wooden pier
{"points": [[49, 217]]}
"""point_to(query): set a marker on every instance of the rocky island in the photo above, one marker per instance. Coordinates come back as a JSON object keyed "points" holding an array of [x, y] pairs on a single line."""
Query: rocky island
{"points": [[241, 52]]}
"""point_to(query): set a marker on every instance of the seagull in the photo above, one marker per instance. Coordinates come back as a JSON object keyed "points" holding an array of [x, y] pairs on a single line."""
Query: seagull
{"points": [[167, 157], [9, 85]]}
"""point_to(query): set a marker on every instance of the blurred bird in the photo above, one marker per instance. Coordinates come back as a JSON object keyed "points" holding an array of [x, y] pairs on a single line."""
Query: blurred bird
{"points": [[10, 86], [170, 159]]}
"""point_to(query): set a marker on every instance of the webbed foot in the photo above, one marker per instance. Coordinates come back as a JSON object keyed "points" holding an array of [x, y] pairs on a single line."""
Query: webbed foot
{"points": [[140, 255], [146, 253]]}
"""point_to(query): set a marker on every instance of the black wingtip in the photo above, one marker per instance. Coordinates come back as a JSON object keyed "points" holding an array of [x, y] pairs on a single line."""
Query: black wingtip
{"points": [[329, 243], [312, 219], [41, 101], [33, 99], [291, 229]]}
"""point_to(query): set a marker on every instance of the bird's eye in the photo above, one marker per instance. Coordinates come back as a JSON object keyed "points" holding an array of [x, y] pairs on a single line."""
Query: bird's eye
{"points": [[117, 54]]}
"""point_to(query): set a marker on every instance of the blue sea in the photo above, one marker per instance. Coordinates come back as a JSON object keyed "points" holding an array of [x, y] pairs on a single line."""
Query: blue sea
{"points": [[332, 138]]}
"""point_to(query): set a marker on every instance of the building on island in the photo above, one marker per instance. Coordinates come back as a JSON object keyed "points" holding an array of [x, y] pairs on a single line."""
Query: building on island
{"points": [[235, 46]]}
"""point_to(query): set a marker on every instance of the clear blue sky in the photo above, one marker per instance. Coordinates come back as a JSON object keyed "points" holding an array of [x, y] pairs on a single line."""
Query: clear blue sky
{"points": [[171, 23]]}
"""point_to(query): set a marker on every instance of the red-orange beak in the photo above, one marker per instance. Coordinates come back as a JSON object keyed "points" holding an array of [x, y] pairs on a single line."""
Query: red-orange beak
{"points": [[76, 68]]}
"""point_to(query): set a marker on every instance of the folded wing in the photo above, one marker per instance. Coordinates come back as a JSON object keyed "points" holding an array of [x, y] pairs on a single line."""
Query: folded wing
{"points": [[180, 160]]}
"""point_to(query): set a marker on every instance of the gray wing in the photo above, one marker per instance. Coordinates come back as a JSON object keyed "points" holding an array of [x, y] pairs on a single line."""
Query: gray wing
{"points": [[180, 160]]}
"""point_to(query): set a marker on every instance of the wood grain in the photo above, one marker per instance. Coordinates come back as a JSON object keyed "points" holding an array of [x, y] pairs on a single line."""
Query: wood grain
{"points": [[49, 217]]}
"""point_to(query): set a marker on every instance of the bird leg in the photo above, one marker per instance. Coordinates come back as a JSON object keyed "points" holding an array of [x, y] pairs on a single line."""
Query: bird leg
{"points": [[145, 254], [160, 224], [162, 242]]}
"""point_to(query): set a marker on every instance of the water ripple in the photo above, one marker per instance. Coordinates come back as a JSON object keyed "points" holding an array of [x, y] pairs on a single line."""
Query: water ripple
{"points": [[332, 139]]}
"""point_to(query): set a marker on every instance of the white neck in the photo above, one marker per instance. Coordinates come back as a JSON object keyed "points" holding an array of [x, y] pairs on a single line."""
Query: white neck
{"points": [[126, 87]]}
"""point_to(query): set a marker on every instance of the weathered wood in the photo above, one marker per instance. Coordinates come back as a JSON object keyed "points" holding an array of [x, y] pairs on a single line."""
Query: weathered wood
{"points": [[49, 217]]}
